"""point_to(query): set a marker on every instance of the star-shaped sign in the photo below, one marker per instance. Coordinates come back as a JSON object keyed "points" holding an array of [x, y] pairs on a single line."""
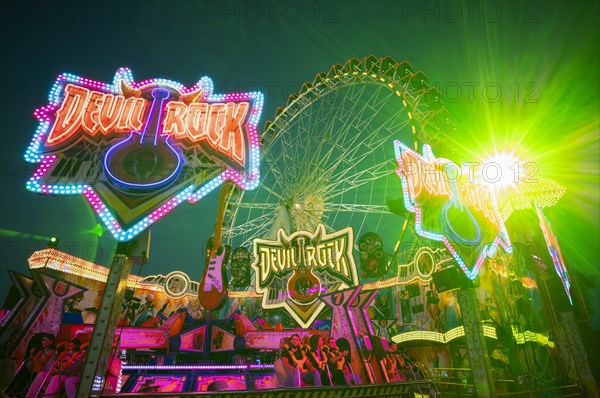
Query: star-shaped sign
{"points": [[448, 208], [294, 271], [136, 150]]}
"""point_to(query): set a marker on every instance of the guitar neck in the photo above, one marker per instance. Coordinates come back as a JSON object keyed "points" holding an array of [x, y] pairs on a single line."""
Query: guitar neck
{"points": [[301, 259], [225, 190], [153, 122]]}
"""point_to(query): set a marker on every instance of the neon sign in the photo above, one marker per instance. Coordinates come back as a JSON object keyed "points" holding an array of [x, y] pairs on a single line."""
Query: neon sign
{"points": [[220, 125], [555, 253], [93, 112], [136, 150], [327, 255], [293, 271], [461, 214]]}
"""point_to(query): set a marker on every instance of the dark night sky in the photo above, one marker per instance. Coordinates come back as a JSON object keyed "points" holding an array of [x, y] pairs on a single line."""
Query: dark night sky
{"points": [[275, 47]]}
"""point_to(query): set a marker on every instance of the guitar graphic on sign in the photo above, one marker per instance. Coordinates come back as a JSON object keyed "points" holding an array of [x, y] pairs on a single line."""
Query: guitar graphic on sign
{"points": [[459, 212], [213, 285], [145, 160], [303, 287]]}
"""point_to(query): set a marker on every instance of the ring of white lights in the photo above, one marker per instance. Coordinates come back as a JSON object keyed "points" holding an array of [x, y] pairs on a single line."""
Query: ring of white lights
{"points": [[177, 275], [418, 257]]}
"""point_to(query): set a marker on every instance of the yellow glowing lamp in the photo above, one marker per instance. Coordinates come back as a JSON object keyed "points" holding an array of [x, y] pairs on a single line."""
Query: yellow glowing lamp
{"points": [[53, 243]]}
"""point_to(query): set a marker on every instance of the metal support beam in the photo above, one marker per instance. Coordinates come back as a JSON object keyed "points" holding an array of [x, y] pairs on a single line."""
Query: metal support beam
{"points": [[506, 320], [575, 362], [101, 344], [477, 348], [582, 364]]}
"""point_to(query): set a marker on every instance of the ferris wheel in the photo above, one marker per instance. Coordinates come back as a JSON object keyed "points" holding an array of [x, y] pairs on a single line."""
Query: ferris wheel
{"points": [[328, 156]]}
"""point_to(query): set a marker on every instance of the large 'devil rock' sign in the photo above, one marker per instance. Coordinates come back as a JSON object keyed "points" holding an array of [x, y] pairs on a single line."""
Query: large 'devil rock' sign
{"points": [[450, 208], [136, 150], [293, 271]]}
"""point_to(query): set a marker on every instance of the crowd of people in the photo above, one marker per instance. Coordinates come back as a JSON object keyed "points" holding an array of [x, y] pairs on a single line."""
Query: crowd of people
{"points": [[329, 363], [49, 368], [399, 365]]}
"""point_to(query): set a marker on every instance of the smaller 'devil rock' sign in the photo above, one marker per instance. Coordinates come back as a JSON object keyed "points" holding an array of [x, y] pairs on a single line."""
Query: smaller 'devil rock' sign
{"points": [[240, 267], [372, 256]]}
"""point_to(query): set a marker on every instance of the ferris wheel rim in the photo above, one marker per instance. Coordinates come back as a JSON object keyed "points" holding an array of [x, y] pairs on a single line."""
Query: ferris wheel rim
{"points": [[411, 87]]}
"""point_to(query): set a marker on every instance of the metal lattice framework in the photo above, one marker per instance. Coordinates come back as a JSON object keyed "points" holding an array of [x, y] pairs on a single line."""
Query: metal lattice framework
{"points": [[328, 154]]}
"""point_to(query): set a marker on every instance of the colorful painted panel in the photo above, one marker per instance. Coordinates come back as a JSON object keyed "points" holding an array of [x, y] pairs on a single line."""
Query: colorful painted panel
{"points": [[220, 382], [166, 383], [193, 340]]}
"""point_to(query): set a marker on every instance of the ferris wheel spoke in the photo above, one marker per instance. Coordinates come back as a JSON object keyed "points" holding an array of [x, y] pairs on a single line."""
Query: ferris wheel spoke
{"points": [[309, 221], [344, 174], [272, 192], [333, 193], [379, 138], [313, 148], [349, 154], [359, 178], [275, 176], [256, 205], [259, 232], [329, 127], [356, 208], [350, 160], [251, 224], [342, 114], [384, 132], [374, 141]]}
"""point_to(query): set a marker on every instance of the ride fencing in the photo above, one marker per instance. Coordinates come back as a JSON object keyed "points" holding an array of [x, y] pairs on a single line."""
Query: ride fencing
{"points": [[458, 382], [414, 389]]}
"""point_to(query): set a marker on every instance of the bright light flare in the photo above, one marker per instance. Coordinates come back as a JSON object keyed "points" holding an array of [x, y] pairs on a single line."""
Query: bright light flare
{"points": [[501, 170]]}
